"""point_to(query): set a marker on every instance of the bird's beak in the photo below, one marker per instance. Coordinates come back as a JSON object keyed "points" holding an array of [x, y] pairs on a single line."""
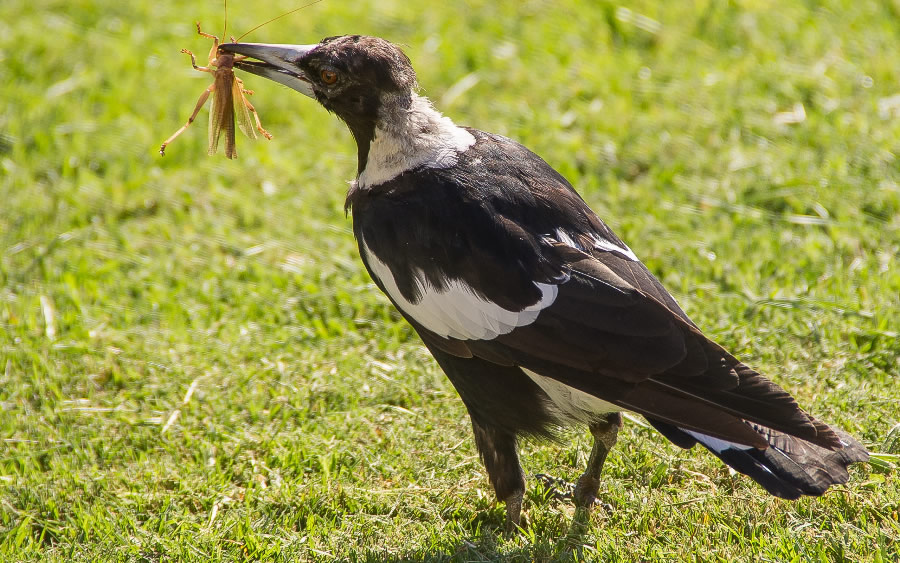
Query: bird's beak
{"points": [[275, 62]]}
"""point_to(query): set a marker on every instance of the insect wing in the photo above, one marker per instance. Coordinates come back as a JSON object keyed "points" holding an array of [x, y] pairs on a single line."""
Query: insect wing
{"points": [[221, 118], [244, 120], [215, 123]]}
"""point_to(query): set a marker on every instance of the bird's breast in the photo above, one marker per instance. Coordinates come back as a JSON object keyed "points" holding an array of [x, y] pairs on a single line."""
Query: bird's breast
{"points": [[454, 310], [570, 404]]}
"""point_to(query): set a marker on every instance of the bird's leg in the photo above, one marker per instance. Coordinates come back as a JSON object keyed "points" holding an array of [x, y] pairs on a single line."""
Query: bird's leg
{"points": [[604, 433], [498, 452], [513, 512]]}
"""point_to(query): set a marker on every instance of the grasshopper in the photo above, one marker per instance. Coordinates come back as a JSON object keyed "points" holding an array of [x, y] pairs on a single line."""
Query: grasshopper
{"points": [[229, 99], [227, 89]]}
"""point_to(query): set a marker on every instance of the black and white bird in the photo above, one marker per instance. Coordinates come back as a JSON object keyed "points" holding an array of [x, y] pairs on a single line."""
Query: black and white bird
{"points": [[538, 313]]}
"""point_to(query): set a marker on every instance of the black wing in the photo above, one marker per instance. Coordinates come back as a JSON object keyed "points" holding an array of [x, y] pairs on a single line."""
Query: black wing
{"points": [[503, 221]]}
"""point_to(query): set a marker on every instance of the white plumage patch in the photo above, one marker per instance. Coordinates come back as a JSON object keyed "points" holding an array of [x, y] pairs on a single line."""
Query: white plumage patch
{"points": [[411, 138], [600, 243], [457, 311], [716, 444], [604, 244], [572, 404]]}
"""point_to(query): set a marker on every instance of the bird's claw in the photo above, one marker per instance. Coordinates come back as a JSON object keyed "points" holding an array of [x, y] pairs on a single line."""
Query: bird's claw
{"points": [[556, 487]]}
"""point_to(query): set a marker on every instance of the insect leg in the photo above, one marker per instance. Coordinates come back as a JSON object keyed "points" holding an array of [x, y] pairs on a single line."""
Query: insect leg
{"points": [[203, 97], [241, 83], [215, 48], [252, 110], [194, 62]]}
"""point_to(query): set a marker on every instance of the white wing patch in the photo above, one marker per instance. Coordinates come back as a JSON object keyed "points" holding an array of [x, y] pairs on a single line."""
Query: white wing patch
{"points": [[716, 444], [604, 244], [572, 404], [457, 311], [600, 243]]}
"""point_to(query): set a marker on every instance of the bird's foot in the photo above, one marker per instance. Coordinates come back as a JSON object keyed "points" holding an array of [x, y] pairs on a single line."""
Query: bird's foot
{"points": [[513, 514], [585, 491], [557, 488], [585, 496]]}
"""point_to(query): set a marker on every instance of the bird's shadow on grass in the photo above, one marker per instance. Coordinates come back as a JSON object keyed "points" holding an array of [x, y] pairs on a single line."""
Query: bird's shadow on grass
{"points": [[485, 548], [544, 541], [545, 538]]}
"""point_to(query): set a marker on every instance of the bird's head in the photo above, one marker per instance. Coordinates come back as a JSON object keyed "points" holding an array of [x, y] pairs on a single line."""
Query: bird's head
{"points": [[359, 78]]}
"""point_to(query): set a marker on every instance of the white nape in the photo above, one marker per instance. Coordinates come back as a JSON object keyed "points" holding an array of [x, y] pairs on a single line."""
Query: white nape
{"points": [[716, 444], [411, 137], [456, 310], [571, 404]]}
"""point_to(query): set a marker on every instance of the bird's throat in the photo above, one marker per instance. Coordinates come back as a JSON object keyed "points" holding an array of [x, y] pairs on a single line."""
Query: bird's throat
{"points": [[408, 134]]}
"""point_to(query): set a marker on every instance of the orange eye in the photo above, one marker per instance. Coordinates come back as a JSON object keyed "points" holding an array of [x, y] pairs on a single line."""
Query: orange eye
{"points": [[328, 76]]}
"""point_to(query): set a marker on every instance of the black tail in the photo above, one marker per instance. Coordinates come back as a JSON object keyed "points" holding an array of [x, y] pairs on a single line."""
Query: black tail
{"points": [[789, 468]]}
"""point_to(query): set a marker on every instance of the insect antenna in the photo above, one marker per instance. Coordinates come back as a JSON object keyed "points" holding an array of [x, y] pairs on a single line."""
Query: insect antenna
{"points": [[277, 18], [225, 27]]}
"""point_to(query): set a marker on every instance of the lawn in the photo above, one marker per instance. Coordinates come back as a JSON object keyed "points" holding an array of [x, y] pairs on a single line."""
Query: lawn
{"points": [[195, 366]]}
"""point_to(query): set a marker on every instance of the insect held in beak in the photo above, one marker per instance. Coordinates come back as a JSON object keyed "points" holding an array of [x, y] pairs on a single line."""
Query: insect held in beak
{"points": [[229, 103]]}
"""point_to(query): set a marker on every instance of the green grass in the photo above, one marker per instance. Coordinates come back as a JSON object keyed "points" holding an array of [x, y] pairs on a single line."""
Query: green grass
{"points": [[318, 428]]}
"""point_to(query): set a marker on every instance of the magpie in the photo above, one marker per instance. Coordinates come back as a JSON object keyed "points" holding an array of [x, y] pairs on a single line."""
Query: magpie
{"points": [[538, 313]]}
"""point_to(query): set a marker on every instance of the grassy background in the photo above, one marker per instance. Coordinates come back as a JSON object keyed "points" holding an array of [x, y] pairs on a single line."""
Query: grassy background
{"points": [[194, 364]]}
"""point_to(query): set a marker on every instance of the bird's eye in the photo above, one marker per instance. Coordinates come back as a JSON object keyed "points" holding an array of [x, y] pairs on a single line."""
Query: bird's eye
{"points": [[328, 76]]}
